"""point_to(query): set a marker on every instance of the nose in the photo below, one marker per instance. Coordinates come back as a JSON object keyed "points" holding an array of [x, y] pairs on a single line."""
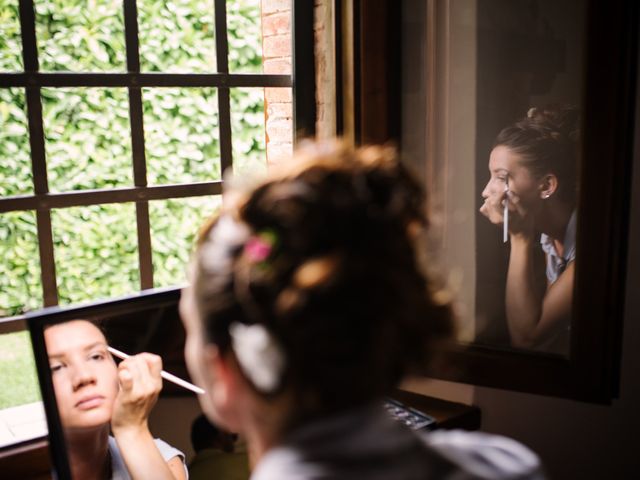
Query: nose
{"points": [[82, 376], [486, 193]]}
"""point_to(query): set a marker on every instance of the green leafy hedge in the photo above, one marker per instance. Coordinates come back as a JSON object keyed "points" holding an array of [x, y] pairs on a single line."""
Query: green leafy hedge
{"points": [[87, 140]]}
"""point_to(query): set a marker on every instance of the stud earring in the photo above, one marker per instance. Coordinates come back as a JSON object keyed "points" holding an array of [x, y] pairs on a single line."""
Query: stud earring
{"points": [[546, 195]]}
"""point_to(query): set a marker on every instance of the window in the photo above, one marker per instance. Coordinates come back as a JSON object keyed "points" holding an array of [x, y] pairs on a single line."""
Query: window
{"points": [[119, 120]]}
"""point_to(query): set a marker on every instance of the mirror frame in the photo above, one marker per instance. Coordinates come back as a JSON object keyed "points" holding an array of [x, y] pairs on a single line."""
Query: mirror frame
{"points": [[37, 320], [367, 46]]}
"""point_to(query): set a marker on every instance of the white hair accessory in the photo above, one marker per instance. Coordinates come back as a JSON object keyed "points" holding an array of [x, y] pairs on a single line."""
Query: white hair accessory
{"points": [[258, 354], [224, 236]]}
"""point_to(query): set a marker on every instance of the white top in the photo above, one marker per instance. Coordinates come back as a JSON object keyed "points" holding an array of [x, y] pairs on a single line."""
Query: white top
{"points": [[556, 264], [368, 445], [119, 469]]}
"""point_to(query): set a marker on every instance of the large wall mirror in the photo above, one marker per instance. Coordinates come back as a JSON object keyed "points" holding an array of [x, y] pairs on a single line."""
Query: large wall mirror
{"points": [[517, 116]]}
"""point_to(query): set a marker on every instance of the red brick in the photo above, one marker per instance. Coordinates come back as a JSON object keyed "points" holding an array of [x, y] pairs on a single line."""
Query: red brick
{"points": [[279, 131], [271, 6], [276, 46], [277, 95], [278, 65], [276, 24], [280, 110]]}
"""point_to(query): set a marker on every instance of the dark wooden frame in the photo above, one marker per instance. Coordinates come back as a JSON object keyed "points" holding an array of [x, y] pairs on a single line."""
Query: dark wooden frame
{"points": [[591, 371]]}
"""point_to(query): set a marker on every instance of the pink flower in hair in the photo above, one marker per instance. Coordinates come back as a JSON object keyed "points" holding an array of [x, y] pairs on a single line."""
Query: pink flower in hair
{"points": [[260, 246]]}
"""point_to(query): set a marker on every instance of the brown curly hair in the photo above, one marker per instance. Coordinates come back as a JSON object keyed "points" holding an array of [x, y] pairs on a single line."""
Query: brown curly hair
{"points": [[342, 288]]}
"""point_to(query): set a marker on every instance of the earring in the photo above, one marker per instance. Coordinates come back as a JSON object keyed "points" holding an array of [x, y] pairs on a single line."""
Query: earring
{"points": [[546, 195]]}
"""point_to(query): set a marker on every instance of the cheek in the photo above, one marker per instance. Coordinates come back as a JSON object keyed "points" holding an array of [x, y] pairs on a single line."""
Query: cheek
{"points": [[107, 375], [525, 189], [62, 390]]}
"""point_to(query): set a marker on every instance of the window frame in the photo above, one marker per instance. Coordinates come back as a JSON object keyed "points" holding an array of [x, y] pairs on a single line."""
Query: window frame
{"points": [[32, 80]]}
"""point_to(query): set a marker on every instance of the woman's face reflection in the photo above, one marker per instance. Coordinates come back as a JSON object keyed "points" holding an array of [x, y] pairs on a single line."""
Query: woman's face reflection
{"points": [[84, 374], [505, 165]]}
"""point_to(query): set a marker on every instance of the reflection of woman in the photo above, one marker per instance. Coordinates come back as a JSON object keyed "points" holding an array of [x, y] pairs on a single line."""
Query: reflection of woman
{"points": [[307, 305], [533, 172], [94, 394]]}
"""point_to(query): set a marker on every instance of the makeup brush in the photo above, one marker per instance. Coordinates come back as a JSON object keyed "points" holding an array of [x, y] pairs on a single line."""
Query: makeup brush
{"points": [[505, 216], [166, 375]]}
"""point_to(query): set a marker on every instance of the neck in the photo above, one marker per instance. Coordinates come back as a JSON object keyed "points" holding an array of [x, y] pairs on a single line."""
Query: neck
{"points": [[555, 218], [265, 428], [88, 452]]}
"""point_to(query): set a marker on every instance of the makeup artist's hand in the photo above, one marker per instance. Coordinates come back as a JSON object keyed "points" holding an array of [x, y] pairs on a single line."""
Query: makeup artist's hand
{"points": [[140, 385]]}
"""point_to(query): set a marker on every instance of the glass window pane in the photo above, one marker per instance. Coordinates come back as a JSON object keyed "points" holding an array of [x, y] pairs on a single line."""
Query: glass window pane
{"points": [[174, 225], [181, 135], [96, 252], [248, 129], [177, 36], [17, 371], [87, 138], [10, 42], [244, 33], [15, 162], [20, 285], [80, 36]]}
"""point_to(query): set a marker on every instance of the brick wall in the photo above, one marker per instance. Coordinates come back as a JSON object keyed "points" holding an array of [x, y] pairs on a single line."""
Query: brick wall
{"points": [[276, 53]]}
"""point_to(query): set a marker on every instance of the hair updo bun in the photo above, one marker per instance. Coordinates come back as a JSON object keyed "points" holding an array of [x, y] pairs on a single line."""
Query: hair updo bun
{"points": [[547, 141], [337, 280]]}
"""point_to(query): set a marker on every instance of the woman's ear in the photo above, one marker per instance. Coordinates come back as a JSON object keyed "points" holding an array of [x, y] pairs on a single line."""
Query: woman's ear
{"points": [[224, 389], [548, 185], [216, 363]]}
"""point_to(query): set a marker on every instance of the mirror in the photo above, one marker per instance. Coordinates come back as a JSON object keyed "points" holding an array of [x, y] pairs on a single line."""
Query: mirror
{"points": [[78, 375], [468, 69], [497, 119]]}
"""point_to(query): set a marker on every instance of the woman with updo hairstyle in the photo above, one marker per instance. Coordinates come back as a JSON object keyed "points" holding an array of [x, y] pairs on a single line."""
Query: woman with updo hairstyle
{"points": [[308, 302], [533, 173]]}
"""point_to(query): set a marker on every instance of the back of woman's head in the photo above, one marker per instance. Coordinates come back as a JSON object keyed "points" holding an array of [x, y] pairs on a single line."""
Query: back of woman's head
{"points": [[547, 141], [324, 257]]}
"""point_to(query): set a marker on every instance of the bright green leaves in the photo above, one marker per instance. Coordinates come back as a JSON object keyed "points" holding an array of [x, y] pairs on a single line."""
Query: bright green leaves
{"points": [[80, 35]]}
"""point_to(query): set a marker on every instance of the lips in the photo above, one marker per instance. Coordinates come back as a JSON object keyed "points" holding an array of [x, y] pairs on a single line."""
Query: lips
{"points": [[89, 402]]}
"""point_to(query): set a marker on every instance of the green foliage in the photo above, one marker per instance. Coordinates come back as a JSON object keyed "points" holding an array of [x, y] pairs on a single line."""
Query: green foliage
{"points": [[17, 371], [245, 39], [181, 135], [172, 223], [80, 35], [10, 44], [87, 140], [20, 287], [177, 36], [15, 163], [96, 251]]}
